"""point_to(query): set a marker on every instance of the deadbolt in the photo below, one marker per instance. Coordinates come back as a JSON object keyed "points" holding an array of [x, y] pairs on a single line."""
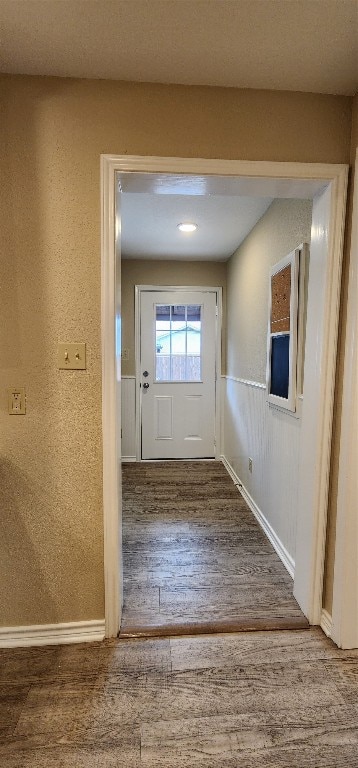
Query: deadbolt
{"points": [[145, 373], [145, 385]]}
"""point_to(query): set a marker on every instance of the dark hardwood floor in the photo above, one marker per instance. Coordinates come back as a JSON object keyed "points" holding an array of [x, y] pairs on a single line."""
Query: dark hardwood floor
{"points": [[277, 699], [195, 559], [282, 699]]}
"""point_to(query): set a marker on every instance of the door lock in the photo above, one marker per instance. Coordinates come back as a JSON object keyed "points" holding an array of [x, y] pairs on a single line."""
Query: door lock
{"points": [[145, 385], [145, 373]]}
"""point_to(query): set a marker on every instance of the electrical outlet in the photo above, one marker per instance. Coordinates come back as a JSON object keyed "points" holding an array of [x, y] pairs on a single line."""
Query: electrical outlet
{"points": [[125, 354], [17, 401], [250, 464]]}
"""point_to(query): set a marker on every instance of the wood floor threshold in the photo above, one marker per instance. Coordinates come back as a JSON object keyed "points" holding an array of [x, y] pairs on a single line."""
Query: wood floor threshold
{"points": [[213, 627]]}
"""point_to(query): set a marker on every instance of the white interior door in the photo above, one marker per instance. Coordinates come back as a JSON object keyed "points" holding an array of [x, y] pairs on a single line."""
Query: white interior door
{"points": [[178, 373]]}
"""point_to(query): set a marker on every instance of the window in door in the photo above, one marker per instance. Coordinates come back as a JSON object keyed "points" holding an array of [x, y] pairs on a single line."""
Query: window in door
{"points": [[178, 342]]}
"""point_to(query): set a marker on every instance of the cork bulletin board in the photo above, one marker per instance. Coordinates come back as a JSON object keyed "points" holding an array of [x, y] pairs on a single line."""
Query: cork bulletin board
{"points": [[282, 332], [280, 300]]}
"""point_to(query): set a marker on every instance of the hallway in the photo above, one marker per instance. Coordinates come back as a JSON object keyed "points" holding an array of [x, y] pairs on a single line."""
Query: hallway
{"points": [[194, 557]]}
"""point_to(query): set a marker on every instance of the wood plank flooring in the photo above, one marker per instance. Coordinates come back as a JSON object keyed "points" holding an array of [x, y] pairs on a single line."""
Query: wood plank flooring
{"points": [[195, 559], [283, 699]]}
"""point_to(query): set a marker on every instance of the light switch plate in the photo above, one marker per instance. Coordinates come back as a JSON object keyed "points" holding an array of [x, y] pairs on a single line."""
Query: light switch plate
{"points": [[72, 356], [17, 401]]}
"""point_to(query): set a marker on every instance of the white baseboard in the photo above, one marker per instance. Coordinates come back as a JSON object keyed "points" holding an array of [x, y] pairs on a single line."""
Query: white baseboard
{"points": [[128, 459], [52, 634], [261, 519], [326, 623]]}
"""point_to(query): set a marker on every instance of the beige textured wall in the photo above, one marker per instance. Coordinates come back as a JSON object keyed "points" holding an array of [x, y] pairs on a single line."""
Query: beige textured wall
{"points": [[332, 511], [286, 224], [52, 134], [143, 272]]}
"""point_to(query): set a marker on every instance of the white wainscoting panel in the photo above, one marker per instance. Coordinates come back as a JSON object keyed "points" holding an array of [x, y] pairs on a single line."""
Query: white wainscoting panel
{"points": [[128, 418], [270, 533], [271, 438]]}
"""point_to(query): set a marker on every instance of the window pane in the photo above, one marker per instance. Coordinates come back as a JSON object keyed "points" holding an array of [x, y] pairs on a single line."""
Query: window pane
{"points": [[193, 367], [193, 313], [178, 339], [162, 342], [178, 313], [162, 312], [162, 371], [193, 338], [178, 368]]}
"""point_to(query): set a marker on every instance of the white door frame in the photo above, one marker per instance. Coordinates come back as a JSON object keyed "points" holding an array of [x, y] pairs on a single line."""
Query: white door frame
{"points": [[327, 238], [139, 289], [345, 586]]}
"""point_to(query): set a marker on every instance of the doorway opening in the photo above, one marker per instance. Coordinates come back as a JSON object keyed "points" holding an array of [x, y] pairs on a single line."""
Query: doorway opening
{"points": [[326, 186]]}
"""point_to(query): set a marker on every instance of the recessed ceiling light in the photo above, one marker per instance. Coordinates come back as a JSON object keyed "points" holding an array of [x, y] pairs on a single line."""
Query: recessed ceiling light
{"points": [[187, 227]]}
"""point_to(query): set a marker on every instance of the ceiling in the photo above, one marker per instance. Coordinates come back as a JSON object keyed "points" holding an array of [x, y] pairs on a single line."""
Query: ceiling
{"points": [[150, 231], [225, 208], [296, 45]]}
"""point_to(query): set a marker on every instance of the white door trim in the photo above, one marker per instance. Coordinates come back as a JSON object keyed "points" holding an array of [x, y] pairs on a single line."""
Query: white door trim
{"points": [[139, 289], [326, 251], [110, 412], [335, 176], [345, 585]]}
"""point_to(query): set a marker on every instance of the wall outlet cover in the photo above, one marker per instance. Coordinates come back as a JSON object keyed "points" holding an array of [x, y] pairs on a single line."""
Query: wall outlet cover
{"points": [[17, 401]]}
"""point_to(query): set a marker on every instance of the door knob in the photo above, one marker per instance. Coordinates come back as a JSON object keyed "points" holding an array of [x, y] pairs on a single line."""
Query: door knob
{"points": [[145, 385], [145, 373]]}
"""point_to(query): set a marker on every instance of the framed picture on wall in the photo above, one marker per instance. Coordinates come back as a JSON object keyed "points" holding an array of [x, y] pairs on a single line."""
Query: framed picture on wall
{"points": [[281, 371]]}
